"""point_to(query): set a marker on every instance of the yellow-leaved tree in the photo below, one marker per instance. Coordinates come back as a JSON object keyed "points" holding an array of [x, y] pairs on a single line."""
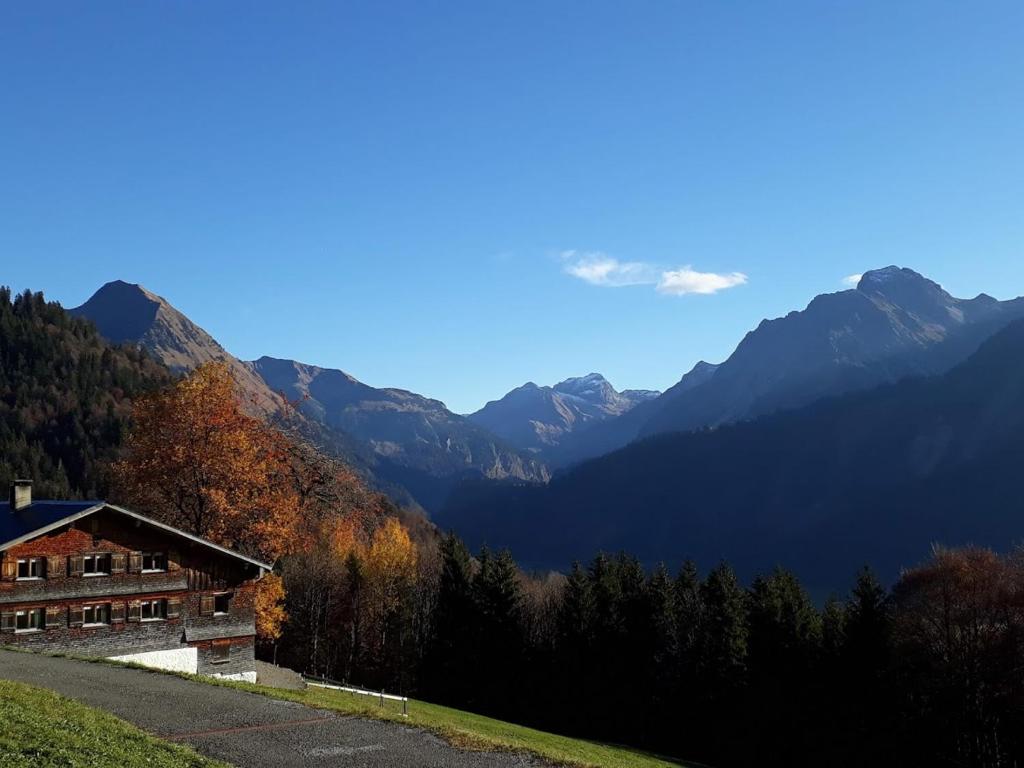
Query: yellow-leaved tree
{"points": [[390, 577]]}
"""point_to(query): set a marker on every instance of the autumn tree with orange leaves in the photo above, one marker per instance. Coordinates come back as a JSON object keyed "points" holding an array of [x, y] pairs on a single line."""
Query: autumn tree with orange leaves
{"points": [[197, 460]]}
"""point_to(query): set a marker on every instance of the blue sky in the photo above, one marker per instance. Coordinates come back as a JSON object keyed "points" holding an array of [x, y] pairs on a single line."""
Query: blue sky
{"points": [[456, 198]]}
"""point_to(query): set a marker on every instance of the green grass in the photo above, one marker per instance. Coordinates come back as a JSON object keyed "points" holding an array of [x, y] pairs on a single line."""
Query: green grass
{"points": [[461, 729], [42, 729], [469, 731]]}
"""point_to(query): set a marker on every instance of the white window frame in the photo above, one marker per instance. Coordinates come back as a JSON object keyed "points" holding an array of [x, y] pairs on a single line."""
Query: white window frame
{"points": [[39, 562], [150, 604], [153, 555], [28, 628], [94, 608], [95, 561]]}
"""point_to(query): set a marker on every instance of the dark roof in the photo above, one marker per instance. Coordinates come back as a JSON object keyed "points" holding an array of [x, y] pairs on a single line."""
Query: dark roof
{"points": [[42, 516], [38, 514]]}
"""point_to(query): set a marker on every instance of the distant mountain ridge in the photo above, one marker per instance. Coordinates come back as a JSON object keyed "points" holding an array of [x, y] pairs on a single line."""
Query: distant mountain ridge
{"points": [[895, 324], [871, 477], [538, 418], [399, 425], [601, 437], [410, 445]]}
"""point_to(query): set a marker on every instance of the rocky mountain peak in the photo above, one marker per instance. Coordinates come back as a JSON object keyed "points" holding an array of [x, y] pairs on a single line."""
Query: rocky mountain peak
{"points": [[910, 291], [593, 387], [123, 312], [128, 313]]}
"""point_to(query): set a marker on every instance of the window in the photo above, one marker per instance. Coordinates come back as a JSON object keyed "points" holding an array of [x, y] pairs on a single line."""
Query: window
{"points": [[96, 565], [154, 610], [96, 615], [221, 651], [29, 621], [154, 561], [31, 568], [222, 604]]}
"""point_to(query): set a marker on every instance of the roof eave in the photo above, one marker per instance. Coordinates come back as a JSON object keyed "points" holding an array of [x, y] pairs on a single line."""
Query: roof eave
{"points": [[150, 521], [51, 526]]}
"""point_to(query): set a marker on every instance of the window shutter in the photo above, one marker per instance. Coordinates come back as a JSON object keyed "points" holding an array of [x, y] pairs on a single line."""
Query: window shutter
{"points": [[117, 562], [77, 565], [221, 651], [54, 616], [7, 621], [173, 560], [75, 617], [173, 607], [116, 613], [135, 562], [10, 569], [56, 566], [206, 604], [135, 610]]}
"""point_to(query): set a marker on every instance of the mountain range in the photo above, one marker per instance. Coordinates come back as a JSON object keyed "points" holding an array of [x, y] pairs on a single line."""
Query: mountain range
{"points": [[834, 425], [417, 440], [894, 324], [409, 445], [872, 477]]}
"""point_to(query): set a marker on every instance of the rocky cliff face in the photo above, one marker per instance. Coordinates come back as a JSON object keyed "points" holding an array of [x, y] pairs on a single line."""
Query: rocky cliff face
{"points": [[402, 426]]}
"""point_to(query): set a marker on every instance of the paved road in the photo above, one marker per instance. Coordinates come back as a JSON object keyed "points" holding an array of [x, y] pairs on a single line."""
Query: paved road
{"points": [[245, 729]]}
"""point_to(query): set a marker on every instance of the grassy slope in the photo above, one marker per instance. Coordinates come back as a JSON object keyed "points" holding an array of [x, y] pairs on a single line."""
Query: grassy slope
{"points": [[462, 729], [470, 731], [41, 729]]}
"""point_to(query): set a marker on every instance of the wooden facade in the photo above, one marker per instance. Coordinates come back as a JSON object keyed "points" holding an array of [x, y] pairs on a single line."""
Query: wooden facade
{"points": [[108, 582]]}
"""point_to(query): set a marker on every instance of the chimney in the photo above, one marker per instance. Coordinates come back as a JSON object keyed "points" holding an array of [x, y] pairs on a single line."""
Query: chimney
{"points": [[21, 494]]}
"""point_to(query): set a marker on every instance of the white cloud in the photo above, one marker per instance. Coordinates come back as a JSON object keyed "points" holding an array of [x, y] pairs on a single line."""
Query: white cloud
{"points": [[679, 282], [601, 269], [851, 281]]}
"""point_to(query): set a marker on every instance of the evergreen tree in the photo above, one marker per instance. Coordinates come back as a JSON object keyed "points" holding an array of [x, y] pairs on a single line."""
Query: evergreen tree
{"points": [[833, 631], [574, 652], [449, 674], [689, 614], [784, 647], [723, 636], [868, 626], [631, 648], [722, 662], [661, 664], [866, 662], [499, 598]]}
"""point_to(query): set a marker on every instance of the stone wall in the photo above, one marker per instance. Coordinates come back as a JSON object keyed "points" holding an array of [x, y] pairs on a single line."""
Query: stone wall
{"points": [[241, 658]]}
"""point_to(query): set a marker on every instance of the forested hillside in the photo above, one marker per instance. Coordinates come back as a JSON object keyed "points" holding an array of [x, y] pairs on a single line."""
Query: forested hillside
{"points": [[65, 397]]}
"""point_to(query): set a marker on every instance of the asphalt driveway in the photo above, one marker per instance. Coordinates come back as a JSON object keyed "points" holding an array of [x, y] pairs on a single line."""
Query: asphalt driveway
{"points": [[245, 729]]}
